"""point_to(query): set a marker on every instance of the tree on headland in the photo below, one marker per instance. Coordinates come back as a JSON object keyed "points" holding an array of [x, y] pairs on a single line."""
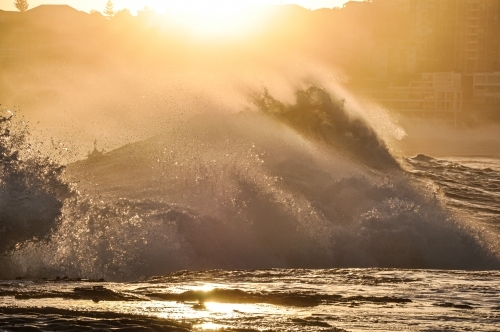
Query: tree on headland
{"points": [[109, 9], [123, 16], [21, 5]]}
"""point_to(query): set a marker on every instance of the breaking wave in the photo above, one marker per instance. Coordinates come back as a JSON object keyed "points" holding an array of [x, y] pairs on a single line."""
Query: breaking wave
{"points": [[32, 191], [284, 186]]}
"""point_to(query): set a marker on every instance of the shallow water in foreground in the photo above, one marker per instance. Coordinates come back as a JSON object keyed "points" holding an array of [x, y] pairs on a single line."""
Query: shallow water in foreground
{"points": [[271, 300]]}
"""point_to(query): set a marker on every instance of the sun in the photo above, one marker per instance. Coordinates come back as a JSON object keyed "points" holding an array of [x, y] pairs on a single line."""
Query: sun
{"points": [[221, 17]]}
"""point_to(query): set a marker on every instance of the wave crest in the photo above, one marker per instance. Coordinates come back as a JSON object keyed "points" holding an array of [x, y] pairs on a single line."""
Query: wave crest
{"points": [[317, 116]]}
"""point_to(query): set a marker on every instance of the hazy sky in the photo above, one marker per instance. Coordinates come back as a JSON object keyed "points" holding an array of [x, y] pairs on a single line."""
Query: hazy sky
{"points": [[133, 5]]}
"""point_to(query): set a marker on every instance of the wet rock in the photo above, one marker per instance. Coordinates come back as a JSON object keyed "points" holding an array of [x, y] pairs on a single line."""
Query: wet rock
{"points": [[95, 293], [52, 319], [7, 293], [277, 298], [100, 293], [239, 296], [377, 299], [199, 306], [453, 305], [463, 306]]}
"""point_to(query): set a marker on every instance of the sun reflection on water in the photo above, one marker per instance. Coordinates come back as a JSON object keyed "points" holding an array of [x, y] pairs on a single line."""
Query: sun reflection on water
{"points": [[205, 287], [209, 326]]}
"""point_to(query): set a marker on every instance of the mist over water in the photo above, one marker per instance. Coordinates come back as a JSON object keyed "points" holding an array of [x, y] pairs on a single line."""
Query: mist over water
{"points": [[284, 183]]}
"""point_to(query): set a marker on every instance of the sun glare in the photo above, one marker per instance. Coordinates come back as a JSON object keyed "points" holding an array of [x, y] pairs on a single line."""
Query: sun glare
{"points": [[225, 17]]}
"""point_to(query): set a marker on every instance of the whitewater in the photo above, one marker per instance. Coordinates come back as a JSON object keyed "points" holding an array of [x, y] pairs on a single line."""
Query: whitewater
{"points": [[283, 216]]}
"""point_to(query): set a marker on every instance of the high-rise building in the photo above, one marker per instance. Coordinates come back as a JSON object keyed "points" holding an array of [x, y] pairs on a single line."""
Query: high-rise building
{"points": [[432, 96], [457, 35]]}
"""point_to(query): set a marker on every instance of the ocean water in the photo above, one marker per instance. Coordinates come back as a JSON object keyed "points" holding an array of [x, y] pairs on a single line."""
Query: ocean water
{"points": [[469, 185], [267, 300], [286, 217]]}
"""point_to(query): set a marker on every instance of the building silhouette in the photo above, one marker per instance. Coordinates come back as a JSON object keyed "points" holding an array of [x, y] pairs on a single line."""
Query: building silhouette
{"points": [[432, 96], [454, 38], [457, 35]]}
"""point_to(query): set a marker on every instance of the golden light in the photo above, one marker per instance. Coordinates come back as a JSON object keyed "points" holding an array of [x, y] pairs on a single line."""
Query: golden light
{"points": [[213, 18], [205, 287], [209, 326]]}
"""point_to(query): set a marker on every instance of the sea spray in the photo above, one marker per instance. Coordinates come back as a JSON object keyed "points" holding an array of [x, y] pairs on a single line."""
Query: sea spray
{"points": [[32, 191], [251, 190], [318, 116]]}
